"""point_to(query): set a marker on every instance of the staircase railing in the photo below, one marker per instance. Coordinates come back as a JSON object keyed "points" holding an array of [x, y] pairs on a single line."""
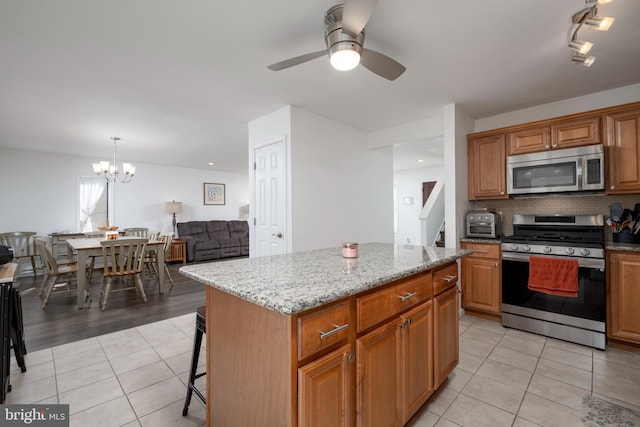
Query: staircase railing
{"points": [[432, 215]]}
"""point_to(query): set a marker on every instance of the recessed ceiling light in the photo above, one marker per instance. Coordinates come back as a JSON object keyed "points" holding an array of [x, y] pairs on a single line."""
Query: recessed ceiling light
{"points": [[420, 160], [211, 164]]}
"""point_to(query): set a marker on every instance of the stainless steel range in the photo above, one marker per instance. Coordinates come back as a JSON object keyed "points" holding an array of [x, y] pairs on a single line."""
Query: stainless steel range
{"points": [[579, 319]]}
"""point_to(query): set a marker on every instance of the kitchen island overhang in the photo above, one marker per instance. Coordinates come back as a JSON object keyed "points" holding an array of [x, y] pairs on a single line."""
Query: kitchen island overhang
{"points": [[267, 360]]}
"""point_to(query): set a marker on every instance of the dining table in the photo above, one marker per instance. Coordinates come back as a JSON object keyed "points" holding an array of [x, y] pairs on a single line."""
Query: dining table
{"points": [[86, 247]]}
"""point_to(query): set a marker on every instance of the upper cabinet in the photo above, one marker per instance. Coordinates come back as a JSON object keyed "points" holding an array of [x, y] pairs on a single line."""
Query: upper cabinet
{"points": [[487, 167], [529, 140], [618, 128], [557, 135], [623, 152]]}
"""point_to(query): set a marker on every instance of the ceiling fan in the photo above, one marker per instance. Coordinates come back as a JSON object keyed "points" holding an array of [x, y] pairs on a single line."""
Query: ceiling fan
{"points": [[344, 38]]}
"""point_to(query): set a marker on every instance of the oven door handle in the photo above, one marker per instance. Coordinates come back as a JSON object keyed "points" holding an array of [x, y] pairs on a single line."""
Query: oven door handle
{"points": [[595, 263]]}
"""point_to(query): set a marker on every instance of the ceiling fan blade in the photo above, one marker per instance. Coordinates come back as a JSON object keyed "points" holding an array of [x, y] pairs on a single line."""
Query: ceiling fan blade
{"points": [[356, 14], [296, 60], [381, 64]]}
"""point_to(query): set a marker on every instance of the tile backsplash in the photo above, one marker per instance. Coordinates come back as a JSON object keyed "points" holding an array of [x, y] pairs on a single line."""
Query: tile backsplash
{"points": [[563, 204]]}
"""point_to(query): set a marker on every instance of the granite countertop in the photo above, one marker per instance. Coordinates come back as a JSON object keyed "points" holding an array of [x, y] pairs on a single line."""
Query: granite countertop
{"points": [[292, 283], [481, 240], [610, 245]]}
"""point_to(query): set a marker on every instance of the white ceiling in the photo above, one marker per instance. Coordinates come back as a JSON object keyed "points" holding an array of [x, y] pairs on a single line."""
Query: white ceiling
{"points": [[178, 81]]}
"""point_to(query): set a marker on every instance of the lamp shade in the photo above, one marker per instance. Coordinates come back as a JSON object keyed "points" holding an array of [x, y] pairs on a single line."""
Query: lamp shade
{"points": [[174, 207]]}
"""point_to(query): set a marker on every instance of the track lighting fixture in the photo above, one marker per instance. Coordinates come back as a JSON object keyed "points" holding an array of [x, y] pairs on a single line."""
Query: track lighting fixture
{"points": [[587, 16]]}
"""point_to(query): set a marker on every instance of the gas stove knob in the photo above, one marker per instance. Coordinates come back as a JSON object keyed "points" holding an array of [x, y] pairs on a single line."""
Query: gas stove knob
{"points": [[584, 252], [514, 247], [570, 251], [546, 249], [526, 248], [471, 217]]}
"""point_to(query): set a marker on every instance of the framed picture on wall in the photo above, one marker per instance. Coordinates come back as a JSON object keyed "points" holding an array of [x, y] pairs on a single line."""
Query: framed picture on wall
{"points": [[214, 194]]}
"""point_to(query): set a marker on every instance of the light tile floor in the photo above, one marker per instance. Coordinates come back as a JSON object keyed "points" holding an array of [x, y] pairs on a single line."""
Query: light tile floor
{"points": [[134, 377], [505, 377]]}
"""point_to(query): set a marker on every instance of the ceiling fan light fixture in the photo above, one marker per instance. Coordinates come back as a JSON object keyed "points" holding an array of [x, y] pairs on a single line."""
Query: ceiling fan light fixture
{"points": [[344, 59], [600, 24], [587, 61], [580, 46]]}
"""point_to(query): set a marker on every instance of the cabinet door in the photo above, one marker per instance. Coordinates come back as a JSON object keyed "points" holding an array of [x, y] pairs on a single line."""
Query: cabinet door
{"points": [[487, 167], [481, 284], [529, 140], [445, 335], [325, 390], [417, 359], [576, 132], [623, 152], [623, 299], [378, 384]]}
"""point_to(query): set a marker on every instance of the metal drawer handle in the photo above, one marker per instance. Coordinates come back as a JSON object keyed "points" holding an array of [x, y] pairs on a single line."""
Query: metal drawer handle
{"points": [[407, 295], [335, 330], [450, 279]]}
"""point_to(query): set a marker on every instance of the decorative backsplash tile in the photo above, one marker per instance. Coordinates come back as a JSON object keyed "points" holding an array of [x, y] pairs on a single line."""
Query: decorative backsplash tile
{"points": [[564, 204]]}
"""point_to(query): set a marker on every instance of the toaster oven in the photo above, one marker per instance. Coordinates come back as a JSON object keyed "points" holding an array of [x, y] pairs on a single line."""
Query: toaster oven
{"points": [[484, 224]]}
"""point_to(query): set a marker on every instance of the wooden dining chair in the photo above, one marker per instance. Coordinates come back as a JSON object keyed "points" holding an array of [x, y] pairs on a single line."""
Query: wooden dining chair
{"points": [[141, 232], [122, 258], [151, 260], [58, 278], [39, 242]]}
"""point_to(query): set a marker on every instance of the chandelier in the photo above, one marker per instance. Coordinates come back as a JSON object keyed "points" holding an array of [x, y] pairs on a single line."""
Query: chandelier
{"points": [[111, 172]]}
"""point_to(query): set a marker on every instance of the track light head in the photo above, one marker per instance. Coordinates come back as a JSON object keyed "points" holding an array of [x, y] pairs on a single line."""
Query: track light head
{"points": [[600, 24], [587, 61], [580, 46]]}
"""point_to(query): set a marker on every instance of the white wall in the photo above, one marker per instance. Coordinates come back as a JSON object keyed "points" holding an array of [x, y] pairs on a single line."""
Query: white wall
{"points": [[409, 184], [40, 193], [457, 124], [341, 189], [579, 104]]}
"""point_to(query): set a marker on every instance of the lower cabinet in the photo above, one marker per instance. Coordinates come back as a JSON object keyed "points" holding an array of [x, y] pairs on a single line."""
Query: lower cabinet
{"points": [[325, 390], [445, 334], [623, 296], [395, 369], [482, 278]]}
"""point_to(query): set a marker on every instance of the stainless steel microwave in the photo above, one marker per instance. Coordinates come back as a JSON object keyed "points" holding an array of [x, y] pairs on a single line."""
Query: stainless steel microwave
{"points": [[568, 169]]}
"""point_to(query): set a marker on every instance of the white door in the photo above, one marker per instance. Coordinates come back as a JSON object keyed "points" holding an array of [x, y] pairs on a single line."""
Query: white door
{"points": [[270, 195]]}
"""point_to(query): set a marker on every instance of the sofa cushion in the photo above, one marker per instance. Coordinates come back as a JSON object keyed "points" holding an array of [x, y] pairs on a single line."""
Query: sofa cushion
{"points": [[207, 244], [229, 243], [191, 227], [238, 229]]}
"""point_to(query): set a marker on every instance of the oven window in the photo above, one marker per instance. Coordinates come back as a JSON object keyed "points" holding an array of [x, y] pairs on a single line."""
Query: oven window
{"points": [[544, 176], [589, 304]]}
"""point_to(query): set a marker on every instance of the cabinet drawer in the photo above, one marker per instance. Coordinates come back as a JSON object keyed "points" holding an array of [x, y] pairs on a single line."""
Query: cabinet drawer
{"points": [[378, 306], [482, 250], [323, 328], [445, 278]]}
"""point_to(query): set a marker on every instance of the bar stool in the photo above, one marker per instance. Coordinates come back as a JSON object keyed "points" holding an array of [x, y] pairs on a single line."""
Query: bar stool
{"points": [[201, 329]]}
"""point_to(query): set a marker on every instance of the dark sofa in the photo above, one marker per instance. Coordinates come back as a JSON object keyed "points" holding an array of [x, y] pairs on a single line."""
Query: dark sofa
{"points": [[211, 240]]}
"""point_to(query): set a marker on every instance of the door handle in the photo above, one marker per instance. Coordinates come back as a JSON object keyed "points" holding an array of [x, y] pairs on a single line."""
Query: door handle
{"points": [[278, 235]]}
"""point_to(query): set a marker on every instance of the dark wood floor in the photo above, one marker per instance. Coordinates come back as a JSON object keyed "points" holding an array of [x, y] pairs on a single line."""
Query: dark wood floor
{"points": [[60, 322]]}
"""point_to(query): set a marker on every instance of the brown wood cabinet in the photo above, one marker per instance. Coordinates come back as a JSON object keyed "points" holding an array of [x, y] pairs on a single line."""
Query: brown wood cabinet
{"points": [[560, 134], [395, 369], [618, 128], [529, 140], [623, 152], [445, 335], [366, 360], [325, 389], [487, 167], [623, 296], [482, 278]]}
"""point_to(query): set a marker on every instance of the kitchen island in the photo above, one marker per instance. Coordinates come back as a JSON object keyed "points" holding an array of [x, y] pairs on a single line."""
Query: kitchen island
{"points": [[312, 338]]}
